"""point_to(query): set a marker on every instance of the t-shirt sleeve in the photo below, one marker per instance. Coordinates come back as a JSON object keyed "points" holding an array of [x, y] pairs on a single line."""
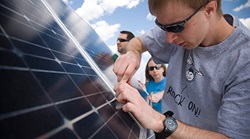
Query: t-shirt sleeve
{"points": [[155, 41], [234, 113]]}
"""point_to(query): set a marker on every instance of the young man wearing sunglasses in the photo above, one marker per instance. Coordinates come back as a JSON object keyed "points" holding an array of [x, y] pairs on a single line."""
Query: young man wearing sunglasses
{"points": [[208, 89], [122, 40]]}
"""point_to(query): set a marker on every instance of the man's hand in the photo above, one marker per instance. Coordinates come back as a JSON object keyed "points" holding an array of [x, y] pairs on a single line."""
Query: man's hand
{"points": [[134, 103], [126, 65]]}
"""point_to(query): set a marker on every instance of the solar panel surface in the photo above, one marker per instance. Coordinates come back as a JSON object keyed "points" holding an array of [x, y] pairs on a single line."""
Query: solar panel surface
{"points": [[56, 76]]}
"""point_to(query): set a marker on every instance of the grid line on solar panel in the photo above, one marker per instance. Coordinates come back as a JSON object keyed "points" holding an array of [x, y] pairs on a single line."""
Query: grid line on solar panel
{"points": [[26, 23], [84, 41], [69, 123], [19, 54], [76, 43], [78, 118], [45, 55], [50, 36]]}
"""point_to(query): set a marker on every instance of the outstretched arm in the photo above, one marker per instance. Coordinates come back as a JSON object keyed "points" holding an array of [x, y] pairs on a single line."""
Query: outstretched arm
{"points": [[156, 97]]}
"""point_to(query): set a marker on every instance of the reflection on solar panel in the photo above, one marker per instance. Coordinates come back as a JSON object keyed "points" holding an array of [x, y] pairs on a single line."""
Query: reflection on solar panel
{"points": [[56, 76]]}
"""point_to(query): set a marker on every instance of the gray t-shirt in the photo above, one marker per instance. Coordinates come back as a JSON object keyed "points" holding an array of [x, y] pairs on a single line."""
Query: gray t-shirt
{"points": [[207, 87]]}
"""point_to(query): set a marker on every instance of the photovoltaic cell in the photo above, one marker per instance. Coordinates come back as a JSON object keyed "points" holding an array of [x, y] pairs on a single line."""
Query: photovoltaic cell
{"points": [[56, 76]]}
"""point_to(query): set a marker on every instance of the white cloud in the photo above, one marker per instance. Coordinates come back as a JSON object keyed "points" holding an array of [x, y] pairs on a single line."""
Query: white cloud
{"points": [[111, 5], [104, 30], [94, 9], [113, 48], [246, 22], [241, 7], [150, 17], [141, 32], [231, 0], [90, 10]]}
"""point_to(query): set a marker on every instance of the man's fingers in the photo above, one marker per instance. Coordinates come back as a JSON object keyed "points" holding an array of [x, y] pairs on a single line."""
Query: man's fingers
{"points": [[125, 67], [128, 107], [117, 66], [120, 68]]}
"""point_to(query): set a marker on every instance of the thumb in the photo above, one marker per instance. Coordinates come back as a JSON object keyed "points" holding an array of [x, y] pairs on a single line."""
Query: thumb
{"points": [[127, 80]]}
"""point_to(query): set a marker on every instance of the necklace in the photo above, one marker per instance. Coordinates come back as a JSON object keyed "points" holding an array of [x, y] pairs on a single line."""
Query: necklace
{"points": [[191, 71]]}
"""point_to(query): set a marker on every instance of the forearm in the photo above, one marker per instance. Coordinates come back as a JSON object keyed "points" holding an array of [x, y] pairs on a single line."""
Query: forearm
{"points": [[157, 97], [135, 45], [185, 131], [160, 94], [189, 132]]}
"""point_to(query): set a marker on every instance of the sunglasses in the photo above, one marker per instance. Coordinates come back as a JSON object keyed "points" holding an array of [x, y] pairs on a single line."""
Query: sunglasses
{"points": [[176, 27], [121, 40], [151, 68]]}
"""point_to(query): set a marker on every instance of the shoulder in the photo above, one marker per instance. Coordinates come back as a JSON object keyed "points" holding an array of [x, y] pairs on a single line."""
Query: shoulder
{"points": [[237, 23], [156, 37]]}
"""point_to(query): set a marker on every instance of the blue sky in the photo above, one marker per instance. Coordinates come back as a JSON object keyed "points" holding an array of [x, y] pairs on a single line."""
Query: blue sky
{"points": [[108, 17]]}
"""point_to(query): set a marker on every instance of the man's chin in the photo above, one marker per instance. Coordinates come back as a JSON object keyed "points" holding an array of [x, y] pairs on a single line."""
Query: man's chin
{"points": [[188, 47]]}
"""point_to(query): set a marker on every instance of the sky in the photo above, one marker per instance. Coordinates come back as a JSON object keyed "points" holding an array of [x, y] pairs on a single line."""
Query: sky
{"points": [[109, 17]]}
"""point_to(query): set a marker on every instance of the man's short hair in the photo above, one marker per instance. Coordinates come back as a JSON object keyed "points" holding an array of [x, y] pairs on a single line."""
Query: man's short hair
{"points": [[130, 35], [154, 5]]}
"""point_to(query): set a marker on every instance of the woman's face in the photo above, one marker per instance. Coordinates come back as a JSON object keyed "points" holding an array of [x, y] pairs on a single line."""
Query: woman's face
{"points": [[155, 70]]}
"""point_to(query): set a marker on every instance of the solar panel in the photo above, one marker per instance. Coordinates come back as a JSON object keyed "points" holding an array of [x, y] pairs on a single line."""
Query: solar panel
{"points": [[56, 76]]}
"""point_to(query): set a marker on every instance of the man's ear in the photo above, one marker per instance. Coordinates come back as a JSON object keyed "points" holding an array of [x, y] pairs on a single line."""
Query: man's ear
{"points": [[211, 8]]}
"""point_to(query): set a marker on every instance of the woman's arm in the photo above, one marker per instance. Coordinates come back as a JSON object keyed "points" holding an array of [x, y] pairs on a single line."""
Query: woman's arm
{"points": [[156, 97]]}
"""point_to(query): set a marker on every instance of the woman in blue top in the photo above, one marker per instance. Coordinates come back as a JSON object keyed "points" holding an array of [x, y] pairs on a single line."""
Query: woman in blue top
{"points": [[155, 83]]}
